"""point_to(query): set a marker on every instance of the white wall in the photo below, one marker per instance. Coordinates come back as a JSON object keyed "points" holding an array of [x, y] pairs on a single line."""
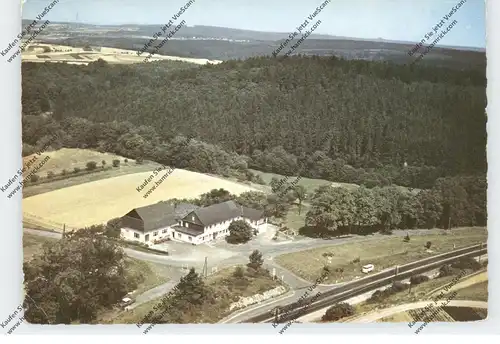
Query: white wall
{"points": [[128, 234], [220, 228]]}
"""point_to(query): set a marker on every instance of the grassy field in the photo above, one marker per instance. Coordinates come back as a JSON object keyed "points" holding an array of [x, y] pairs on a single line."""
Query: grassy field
{"points": [[153, 274], [69, 158], [223, 283], [32, 245], [475, 292], [99, 201], [383, 253], [76, 55], [308, 183]]}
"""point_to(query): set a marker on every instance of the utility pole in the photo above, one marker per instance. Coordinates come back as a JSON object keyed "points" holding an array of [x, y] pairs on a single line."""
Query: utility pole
{"points": [[205, 268], [449, 222], [64, 230]]}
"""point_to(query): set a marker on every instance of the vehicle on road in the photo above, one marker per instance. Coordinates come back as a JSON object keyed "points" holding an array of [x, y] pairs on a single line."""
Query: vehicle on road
{"points": [[126, 301], [367, 268]]}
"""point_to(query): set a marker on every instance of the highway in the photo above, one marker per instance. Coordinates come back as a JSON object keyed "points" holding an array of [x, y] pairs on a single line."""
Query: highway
{"points": [[293, 311]]}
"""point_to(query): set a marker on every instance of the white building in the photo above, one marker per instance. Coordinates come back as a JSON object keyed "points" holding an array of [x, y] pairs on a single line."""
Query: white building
{"points": [[187, 223]]}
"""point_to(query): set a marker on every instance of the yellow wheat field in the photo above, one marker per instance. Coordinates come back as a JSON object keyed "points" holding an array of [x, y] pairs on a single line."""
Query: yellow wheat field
{"points": [[99, 201]]}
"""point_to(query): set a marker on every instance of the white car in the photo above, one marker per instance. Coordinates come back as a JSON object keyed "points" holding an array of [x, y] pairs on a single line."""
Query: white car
{"points": [[367, 268]]}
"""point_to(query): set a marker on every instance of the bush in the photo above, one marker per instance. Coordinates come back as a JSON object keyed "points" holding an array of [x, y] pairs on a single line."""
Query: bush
{"points": [[139, 161], [338, 311], [64, 172], [407, 238], [125, 160], [357, 260], [91, 165], [50, 174], [328, 254], [116, 163], [428, 245], [466, 263], [103, 163], [34, 178], [76, 170], [239, 272], [417, 279], [256, 260], [397, 286], [445, 270], [239, 232]]}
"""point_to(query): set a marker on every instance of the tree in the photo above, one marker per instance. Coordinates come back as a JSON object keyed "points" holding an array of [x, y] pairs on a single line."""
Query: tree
{"points": [[338, 311], [332, 209], [74, 278], [406, 238], [256, 260], [91, 165], [116, 162], [428, 245], [300, 194], [64, 172], [214, 196], [239, 232], [50, 174], [431, 210], [103, 163], [238, 272], [34, 178], [113, 228], [76, 170]]}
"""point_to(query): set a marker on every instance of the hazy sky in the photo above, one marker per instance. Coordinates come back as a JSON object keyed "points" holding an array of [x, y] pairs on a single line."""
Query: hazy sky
{"points": [[406, 20]]}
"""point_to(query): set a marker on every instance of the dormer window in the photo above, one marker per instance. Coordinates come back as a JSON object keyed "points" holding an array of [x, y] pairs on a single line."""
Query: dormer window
{"points": [[192, 218]]}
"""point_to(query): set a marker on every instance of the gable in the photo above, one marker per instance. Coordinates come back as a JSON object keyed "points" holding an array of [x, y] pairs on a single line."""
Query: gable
{"points": [[133, 213], [193, 218]]}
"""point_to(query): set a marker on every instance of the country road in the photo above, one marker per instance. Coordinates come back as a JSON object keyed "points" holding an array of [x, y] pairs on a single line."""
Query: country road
{"points": [[222, 255]]}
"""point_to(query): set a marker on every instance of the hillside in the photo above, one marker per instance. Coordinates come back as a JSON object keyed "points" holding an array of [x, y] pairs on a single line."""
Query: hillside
{"points": [[344, 121]]}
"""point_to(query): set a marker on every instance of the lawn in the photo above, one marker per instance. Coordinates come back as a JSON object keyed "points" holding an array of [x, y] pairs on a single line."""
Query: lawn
{"points": [[227, 288], [475, 292], [33, 244], [153, 274], [99, 201], [384, 253]]}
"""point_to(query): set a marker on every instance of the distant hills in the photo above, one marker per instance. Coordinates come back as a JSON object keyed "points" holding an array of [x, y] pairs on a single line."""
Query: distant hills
{"points": [[223, 43]]}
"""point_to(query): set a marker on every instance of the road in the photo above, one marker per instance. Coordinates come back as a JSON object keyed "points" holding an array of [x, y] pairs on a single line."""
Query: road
{"points": [[222, 255]]}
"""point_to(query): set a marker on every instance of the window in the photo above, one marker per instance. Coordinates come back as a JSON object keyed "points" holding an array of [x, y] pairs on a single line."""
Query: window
{"points": [[136, 235], [155, 233], [164, 231], [190, 239], [192, 218], [185, 224]]}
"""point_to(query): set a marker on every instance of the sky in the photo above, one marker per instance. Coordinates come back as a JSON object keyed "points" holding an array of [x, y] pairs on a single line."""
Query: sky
{"points": [[404, 20]]}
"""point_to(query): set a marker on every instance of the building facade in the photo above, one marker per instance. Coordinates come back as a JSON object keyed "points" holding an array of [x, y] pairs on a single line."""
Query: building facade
{"points": [[187, 223]]}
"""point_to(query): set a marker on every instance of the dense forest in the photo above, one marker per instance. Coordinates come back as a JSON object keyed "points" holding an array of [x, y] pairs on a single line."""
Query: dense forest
{"points": [[371, 123]]}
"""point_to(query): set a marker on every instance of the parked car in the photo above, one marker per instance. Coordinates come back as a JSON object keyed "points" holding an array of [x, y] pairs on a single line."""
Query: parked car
{"points": [[367, 268], [126, 301]]}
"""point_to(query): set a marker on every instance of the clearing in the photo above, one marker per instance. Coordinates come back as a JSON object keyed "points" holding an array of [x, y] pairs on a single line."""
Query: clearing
{"points": [[69, 158], [309, 183], [33, 245], [74, 55], [224, 284], [99, 201], [383, 253]]}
